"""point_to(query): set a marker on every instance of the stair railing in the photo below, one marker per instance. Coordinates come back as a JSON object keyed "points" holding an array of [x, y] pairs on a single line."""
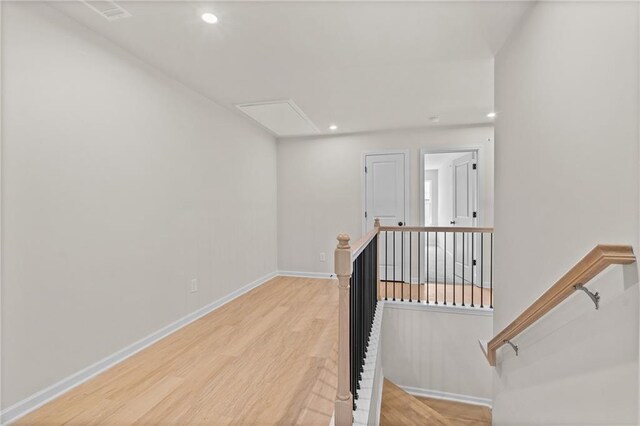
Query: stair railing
{"points": [[357, 272], [437, 265], [591, 265]]}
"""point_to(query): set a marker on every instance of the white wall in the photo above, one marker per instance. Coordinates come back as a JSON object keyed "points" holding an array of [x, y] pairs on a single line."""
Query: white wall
{"points": [[320, 183], [567, 179], [119, 186], [437, 350]]}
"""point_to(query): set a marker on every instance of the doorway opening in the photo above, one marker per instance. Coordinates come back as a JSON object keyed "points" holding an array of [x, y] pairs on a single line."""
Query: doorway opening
{"points": [[450, 189], [449, 192]]}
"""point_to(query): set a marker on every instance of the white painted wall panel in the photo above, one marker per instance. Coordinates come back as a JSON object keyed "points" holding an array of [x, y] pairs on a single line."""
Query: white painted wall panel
{"points": [[119, 186], [437, 351], [567, 179]]}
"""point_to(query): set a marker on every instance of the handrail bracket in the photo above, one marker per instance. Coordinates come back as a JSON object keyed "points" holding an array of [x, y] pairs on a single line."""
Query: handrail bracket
{"points": [[514, 347], [595, 297]]}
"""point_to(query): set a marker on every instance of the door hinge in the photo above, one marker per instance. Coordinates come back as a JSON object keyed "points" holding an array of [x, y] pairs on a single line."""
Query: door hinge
{"points": [[475, 214], [474, 262], [475, 166], [365, 169], [365, 214]]}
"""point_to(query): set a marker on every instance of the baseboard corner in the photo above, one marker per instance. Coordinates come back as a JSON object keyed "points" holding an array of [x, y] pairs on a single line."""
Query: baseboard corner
{"points": [[448, 396]]}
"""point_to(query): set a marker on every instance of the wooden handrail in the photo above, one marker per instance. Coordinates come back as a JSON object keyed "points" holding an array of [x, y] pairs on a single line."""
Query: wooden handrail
{"points": [[362, 243], [435, 229], [591, 265]]}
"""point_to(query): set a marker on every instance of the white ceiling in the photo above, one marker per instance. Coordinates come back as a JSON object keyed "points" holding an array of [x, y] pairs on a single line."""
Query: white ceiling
{"points": [[364, 66]]}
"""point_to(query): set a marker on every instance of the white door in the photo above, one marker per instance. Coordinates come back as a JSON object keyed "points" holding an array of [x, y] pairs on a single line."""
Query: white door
{"points": [[464, 211], [385, 198]]}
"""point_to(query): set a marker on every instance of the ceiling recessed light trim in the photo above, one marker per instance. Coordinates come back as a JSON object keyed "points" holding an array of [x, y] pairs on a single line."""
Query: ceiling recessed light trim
{"points": [[209, 18], [333, 127]]}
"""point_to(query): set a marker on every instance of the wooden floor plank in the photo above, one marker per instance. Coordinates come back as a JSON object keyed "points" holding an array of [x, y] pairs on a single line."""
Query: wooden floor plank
{"points": [[400, 408], [459, 413], [268, 357]]}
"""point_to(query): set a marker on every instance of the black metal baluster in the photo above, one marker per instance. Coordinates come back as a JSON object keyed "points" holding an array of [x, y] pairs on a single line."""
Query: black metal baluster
{"points": [[482, 270], [436, 268], [356, 287], [473, 266], [394, 266], [419, 262], [363, 325], [410, 281], [445, 269], [360, 318], [455, 238], [491, 273], [352, 337], [402, 266], [386, 262], [427, 278], [463, 283]]}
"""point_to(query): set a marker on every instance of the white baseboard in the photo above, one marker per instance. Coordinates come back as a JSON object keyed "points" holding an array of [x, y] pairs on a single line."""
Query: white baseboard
{"points": [[467, 399], [440, 308], [306, 274], [40, 398]]}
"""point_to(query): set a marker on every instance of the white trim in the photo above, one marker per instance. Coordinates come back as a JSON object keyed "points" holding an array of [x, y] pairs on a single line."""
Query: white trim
{"points": [[448, 396], [40, 398], [380, 390], [365, 405], [289, 102], [325, 275], [484, 346], [440, 308], [407, 183]]}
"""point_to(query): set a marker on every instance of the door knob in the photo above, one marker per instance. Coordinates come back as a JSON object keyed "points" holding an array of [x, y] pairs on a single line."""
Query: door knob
{"points": [[453, 222], [400, 223]]}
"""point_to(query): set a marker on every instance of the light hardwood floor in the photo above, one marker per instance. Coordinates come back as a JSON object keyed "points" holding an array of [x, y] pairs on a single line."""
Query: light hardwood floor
{"points": [[460, 414], [449, 293], [400, 408], [268, 357]]}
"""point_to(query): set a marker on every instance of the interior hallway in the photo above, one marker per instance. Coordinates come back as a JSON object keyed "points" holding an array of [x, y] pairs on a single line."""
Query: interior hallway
{"points": [[267, 357]]}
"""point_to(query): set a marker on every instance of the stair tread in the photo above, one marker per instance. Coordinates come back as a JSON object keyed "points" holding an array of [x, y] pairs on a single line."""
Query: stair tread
{"points": [[401, 408]]}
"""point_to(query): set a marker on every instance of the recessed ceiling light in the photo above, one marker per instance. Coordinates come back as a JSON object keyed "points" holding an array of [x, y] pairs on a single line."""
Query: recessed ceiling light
{"points": [[491, 115], [333, 127], [209, 18], [434, 119]]}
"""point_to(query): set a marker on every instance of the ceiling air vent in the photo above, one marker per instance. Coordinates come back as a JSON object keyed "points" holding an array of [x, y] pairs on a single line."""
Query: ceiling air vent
{"points": [[109, 10], [283, 118]]}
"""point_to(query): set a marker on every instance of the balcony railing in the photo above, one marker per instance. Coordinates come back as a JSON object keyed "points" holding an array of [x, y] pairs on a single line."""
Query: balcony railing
{"points": [[422, 265], [451, 266]]}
